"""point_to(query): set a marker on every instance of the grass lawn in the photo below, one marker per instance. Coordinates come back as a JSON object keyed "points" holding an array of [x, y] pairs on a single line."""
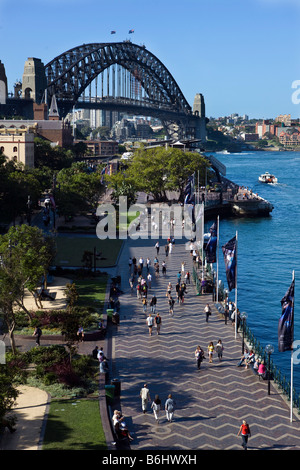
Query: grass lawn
{"points": [[70, 250], [91, 291], [74, 425]]}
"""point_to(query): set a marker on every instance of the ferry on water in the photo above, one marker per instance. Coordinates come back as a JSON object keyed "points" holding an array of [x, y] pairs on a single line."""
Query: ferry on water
{"points": [[267, 178]]}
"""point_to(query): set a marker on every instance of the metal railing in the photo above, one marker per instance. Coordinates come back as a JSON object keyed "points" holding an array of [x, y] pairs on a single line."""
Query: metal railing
{"points": [[283, 384]]}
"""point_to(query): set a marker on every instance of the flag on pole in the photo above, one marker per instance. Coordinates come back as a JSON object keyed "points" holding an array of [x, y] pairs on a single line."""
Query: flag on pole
{"points": [[229, 252], [211, 247], [286, 321], [131, 31]]}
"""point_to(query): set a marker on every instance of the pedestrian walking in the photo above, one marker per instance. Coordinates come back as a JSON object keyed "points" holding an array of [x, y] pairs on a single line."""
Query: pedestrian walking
{"points": [[153, 303], [199, 356], [138, 290], [130, 264], [210, 350], [245, 432], [148, 264], [131, 283], [80, 334], [149, 280], [166, 249], [145, 396], [169, 290], [207, 311], [144, 305], [219, 349], [157, 248], [164, 268], [150, 323], [181, 295], [171, 306], [141, 263], [157, 320], [156, 407], [37, 333], [226, 314], [169, 408]]}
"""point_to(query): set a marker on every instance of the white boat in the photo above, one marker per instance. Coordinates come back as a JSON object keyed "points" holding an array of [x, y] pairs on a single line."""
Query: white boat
{"points": [[267, 178]]}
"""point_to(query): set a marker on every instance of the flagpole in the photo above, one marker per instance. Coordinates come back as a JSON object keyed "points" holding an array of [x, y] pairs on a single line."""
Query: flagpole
{"points": [[236, 248], [202, 239], [292, 365], [218, 259]]}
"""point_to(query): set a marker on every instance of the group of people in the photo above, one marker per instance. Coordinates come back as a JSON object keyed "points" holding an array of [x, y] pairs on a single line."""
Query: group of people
{"points": [[156, 404], [231, 313], [250, 359], [103, 364], [211, 349]]}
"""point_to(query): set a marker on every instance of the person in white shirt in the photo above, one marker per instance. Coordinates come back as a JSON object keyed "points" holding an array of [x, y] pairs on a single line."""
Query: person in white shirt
{"points": [[150, 323], [145, 396]]}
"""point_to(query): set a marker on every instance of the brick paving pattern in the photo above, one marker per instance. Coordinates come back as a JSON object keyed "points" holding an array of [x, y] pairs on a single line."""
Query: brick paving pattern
{"points": [[211, 402]]}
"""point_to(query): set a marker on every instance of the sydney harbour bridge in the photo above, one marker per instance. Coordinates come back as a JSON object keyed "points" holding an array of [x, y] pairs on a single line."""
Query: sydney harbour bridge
{"points": [[122, 77]]}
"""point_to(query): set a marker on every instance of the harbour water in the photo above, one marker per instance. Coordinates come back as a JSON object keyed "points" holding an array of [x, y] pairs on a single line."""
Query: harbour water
{"points": [[268, 247]]}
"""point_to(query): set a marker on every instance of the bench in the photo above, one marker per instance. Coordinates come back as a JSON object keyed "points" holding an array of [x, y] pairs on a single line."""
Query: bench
{"points": [[43, 294], [260, 376]]}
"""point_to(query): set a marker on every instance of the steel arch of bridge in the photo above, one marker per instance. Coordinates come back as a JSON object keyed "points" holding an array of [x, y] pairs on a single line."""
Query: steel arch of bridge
{"points": [[70, 73]]}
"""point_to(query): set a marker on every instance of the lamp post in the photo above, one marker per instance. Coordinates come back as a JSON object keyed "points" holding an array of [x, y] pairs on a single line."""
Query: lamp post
{"points": [[269, 349], [54, 194], [243, 317]]}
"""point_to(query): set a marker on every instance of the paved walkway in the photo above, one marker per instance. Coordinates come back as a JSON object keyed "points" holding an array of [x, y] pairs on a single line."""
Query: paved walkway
{"points": [[212, 402], [30, 409]]}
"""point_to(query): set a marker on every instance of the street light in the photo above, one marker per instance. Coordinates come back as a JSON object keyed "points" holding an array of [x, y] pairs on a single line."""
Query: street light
{"points": [[269, 349], [243, 317]]}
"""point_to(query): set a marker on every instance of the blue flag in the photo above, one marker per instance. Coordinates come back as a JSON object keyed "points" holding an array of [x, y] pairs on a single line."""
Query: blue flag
{"points": [[286, 321], [229, 252], [211, 249]]}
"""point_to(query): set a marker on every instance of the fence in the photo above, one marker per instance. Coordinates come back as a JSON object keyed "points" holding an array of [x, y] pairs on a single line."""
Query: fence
{"points": [[283, 384]]}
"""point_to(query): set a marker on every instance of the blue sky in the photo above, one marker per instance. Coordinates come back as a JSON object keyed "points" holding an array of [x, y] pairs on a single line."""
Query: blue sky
{"points": [[242, 55]]}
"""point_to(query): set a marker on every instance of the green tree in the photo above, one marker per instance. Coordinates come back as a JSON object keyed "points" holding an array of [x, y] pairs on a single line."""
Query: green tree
{"points": [[79, 190], [122, 185], [13, 367], [55, 158], [25, 258], [158, 170]]}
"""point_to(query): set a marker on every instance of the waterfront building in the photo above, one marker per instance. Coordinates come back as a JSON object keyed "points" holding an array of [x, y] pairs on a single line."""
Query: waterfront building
{"points": [[265, 127], [290, 138]]}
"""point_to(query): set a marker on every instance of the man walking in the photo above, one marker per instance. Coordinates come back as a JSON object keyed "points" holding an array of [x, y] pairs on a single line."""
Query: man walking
{"points": [[150, 322], [153, 302], [145, 396], [158, 323]]}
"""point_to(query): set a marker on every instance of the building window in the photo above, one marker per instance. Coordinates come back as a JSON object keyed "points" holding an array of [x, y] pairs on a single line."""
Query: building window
{"points": [[15, 149], [2, 149]]}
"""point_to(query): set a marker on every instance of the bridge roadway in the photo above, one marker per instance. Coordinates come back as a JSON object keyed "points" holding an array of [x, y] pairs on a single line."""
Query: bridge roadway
{"points": [[211, 402]]}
